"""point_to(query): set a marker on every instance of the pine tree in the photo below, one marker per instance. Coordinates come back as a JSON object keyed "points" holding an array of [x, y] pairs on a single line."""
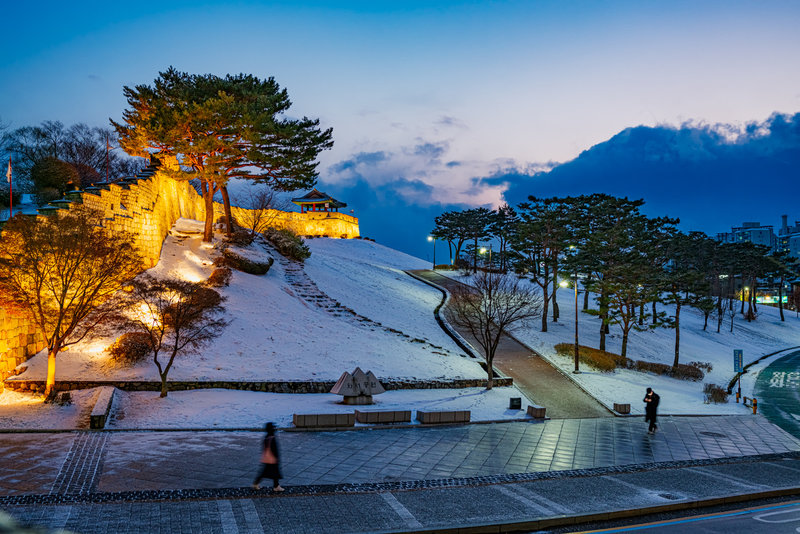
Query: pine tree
{"points": [[215, 129]]}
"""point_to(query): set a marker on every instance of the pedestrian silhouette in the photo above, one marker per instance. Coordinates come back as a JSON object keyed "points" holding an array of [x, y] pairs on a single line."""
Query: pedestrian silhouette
{"points": [[651, 410], [270, 460]]}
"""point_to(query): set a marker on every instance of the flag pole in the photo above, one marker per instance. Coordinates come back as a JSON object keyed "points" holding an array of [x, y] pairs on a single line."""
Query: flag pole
{"points": [[10, 191]]}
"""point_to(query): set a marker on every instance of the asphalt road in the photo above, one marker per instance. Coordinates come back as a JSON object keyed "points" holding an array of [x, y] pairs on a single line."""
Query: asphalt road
{"points": [[775, 519], [778, 392]]}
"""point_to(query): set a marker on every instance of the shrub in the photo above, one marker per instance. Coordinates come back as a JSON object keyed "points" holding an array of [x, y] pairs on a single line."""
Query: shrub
{"points": [[703, 366], [714, 393], [288, 244], [608, 361], [220, 277], [240, 263], [599, 359], [130, 348], [240, 237]]}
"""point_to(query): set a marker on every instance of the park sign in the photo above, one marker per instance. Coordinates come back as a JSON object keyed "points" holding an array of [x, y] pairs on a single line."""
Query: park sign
{"points": [[737, 361]]}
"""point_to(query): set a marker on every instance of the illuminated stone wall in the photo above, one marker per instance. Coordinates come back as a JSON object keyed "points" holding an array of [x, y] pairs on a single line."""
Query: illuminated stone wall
{"points": [[147, 208]]}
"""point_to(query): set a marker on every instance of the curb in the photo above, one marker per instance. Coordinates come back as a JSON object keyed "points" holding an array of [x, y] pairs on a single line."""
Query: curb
{"points": [[623, 513]]}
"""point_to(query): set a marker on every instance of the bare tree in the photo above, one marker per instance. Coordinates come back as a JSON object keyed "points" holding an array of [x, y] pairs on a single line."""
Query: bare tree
{"points": [[263, 205], [63, 270], [491, 305], [177, 315]]}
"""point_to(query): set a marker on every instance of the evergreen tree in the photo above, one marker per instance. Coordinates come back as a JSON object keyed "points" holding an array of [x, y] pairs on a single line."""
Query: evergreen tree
{"points": [[215, 129]]}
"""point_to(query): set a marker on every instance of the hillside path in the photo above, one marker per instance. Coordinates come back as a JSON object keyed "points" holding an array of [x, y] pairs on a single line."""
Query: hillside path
{"points": [[532, 374]]}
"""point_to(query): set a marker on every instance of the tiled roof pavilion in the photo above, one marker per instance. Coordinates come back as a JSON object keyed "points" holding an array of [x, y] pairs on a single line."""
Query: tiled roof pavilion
{"points": [[318, 201]]}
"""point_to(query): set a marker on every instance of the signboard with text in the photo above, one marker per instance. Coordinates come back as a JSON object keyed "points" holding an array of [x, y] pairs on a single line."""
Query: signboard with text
{"points": [[738, 361]]}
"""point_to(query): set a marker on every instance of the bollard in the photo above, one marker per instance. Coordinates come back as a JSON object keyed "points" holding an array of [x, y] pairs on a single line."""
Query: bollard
{"points": [[737, 397], [755, 405]]}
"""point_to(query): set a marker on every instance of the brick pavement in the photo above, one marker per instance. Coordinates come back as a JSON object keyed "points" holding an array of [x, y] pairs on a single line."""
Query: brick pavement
{"points": [[373, 472]]}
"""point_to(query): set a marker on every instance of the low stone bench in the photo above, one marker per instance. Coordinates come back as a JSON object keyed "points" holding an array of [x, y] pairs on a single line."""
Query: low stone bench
{"points": [[384, 416], [323, 420], [537, 412], [102, 408], [623, 409], [443, 417]]}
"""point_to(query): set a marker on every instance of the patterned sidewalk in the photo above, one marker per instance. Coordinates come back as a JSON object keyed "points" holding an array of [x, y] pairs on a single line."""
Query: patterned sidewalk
{"points": [[85, 462]]}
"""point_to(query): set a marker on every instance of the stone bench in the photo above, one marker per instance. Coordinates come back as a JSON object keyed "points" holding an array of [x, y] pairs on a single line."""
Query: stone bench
{"points": [[623, 409], [323, 420], [537, 412], [384, 416], [102, 408], [443, 417]]}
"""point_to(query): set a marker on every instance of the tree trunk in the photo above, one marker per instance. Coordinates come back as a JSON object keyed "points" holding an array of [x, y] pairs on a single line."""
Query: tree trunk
{"points": [[780, 297], [677, 335], [705, 319], [586, 293], [720, 312], [226, 204], [545, 304], [753, 297], [51, 373], [655, 313], [555, 302], [163, 385], [489, 373], [641, 314], [208, 198], [624, 343], [475, 257]]}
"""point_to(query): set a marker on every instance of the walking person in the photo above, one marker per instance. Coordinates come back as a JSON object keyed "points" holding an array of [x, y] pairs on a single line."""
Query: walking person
{"points": [[651, 400], [270, 459]]}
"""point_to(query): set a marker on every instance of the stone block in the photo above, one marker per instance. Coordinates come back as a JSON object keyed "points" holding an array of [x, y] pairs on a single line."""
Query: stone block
{"points": [[622, 408], [537, 412]]}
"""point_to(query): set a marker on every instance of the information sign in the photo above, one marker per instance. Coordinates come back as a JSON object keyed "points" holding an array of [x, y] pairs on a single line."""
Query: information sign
{"points": [[737, 361]]}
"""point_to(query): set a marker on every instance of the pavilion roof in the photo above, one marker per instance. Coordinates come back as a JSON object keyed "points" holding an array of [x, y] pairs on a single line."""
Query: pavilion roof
{"points": [[318, 197]]}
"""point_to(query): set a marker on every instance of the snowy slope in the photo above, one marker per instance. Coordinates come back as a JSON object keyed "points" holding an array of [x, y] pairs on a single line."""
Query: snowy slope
{"points": [[276, 335]]}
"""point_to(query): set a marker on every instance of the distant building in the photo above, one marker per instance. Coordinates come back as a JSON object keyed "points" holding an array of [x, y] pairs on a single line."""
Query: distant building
{"points": [[318, 201], [750, 232], [789, 238]]}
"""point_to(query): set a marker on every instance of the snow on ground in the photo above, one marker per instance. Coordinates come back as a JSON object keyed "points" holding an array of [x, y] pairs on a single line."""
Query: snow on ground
{"points": [[214, 408], [765, 335], [230, 409], [275, 335]]}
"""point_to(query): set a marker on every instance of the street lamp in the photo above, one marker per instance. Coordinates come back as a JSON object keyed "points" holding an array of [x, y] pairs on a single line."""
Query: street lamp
{"points": [[565, 284], [483, 251], [432, 238]]}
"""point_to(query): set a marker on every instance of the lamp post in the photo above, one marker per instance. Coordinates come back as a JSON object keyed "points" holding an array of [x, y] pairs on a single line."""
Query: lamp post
{"points": [[483, 251], [432, 238], [565, 284]]}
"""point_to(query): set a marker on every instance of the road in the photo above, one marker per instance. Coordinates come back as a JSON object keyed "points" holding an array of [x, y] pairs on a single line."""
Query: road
{"points": [[775, 519], [532, 374], [778, 392]]}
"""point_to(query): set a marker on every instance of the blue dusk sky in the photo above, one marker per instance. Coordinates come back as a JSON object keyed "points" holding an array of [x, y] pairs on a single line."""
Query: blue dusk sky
{"points": [[444, 105]]}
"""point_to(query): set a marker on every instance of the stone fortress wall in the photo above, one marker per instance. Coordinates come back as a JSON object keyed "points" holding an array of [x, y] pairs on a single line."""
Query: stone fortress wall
{"points": [[147, 206]]}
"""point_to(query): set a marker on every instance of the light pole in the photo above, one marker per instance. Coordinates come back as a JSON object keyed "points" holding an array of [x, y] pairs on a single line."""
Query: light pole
{"points": [[565, 284], [432, 238], [482, 251]]}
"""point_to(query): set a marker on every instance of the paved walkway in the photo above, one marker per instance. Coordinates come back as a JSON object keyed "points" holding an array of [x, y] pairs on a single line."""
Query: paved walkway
{"points": [[532, 374], [380, 479]]}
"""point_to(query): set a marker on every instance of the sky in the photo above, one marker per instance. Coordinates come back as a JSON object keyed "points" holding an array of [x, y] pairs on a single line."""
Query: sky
{"points": [[429, 101]]}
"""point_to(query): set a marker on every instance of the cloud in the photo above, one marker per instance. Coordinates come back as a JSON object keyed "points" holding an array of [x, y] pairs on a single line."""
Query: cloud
{"points": [[710, 176], [446, 180]]}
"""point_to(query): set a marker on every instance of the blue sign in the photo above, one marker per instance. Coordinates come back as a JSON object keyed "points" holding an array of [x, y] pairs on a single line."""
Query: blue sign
{"points": [[737, 361]]}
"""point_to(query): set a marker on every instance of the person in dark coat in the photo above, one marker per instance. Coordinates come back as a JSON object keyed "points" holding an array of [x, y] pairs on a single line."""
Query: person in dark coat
{"points": [[270, 460], [651, 409]]}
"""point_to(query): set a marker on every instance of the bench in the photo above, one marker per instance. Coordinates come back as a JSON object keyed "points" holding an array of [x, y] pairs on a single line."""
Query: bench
{"points": [[537, 412], [384, 416], [443, 417], [102, 407], [323, 420], [623, 409]]}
